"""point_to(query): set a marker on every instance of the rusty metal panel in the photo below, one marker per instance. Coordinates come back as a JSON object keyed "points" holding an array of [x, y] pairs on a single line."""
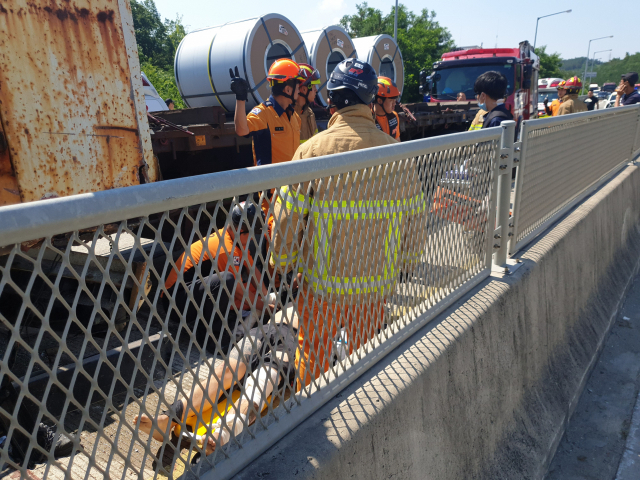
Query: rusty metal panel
{"points": [[71, 100], [9, 193]]}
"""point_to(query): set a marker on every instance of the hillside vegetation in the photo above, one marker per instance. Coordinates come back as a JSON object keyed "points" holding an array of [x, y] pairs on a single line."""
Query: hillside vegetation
{"points": [[157, 43], [607, 71]]}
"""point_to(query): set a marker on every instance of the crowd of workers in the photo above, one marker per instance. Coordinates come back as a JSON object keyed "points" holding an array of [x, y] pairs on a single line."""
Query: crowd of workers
{"points": [[273, 242], [243, 257], [568, 91], [226, 309]]}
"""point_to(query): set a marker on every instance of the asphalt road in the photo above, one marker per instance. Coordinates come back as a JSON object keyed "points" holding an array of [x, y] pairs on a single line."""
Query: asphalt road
{"points": [[602, 440]]}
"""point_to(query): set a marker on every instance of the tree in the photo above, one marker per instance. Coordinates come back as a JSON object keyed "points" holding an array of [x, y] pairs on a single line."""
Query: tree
{"points": [[611, 71], [550, 63], [421, 39], [157, 44]]}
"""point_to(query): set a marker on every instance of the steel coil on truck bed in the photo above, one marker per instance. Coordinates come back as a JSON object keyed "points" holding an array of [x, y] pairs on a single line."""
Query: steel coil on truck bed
{"points": [[327, 47], [384, 55], [204, 57]]}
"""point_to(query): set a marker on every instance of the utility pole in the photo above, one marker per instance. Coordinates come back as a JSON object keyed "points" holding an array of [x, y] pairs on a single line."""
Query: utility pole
{"points": [[535, 38], [395, 25], [586, 63]]}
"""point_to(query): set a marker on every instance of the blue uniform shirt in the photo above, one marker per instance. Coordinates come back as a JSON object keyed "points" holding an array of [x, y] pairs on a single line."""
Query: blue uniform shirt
{"points": [[630, 99], [497, 120]]}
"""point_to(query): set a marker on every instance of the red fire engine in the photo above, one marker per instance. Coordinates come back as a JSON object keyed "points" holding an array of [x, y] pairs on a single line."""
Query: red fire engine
{"points": [[457, 72]]}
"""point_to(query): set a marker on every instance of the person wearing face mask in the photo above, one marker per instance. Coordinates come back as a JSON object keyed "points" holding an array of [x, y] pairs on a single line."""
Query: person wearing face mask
{"points": [[307, 95], [490, 88], [386, 119], [273, 125]]}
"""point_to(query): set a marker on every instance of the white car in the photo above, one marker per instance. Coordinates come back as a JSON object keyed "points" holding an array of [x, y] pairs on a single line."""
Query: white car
{"points": [[154, 101], [611, 101]]}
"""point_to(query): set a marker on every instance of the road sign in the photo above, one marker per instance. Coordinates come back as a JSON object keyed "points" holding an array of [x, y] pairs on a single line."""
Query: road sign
{"points": [[591, 74]]}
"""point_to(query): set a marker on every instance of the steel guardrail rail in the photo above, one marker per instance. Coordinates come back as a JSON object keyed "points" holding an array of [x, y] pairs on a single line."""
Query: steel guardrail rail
{"points": [[95, 333]]}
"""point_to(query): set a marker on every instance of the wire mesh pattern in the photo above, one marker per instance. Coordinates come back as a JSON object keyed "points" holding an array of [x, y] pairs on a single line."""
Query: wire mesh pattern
{"points": [[170, 341], [563, 159], [636, 146]]}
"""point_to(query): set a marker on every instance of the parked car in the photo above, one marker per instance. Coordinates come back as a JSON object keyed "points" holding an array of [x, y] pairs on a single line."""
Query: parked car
{"points": [[547, 88], [152, 98], [608, 87], [611, 101]]}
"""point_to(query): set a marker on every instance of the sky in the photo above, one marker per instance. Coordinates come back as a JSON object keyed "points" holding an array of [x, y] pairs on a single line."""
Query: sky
{"points": [[470, 23]]}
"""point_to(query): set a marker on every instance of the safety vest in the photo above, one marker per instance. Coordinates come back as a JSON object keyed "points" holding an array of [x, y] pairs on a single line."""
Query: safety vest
{"points": [[389, 124], [345, 233], [476, 124], [325, 214]]}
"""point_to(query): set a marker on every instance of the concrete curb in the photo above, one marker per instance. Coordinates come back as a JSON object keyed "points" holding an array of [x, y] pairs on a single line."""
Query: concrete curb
{"points": [[629, 468]]}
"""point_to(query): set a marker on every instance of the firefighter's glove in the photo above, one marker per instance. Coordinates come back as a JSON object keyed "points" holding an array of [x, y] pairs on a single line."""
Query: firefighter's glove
{"points": [[239, 85]]}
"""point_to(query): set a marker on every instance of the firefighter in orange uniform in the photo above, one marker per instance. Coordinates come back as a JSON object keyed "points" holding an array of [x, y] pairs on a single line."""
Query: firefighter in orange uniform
{"points": [[386, 118], [273, 125]]}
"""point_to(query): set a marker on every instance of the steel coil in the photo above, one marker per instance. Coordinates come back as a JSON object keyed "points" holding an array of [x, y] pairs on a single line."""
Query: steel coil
{"points": [[204, 57]]}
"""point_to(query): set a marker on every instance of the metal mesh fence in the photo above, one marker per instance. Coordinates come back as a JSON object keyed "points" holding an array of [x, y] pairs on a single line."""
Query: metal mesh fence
{"points": [[562, 157], [161, 329], [636, 146]]}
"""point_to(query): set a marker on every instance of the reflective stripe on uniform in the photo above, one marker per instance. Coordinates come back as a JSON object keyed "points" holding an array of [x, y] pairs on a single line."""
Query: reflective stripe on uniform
{"points": [[366, 209], [282, 260], [325, 212], [350, 285], [292, 201]]}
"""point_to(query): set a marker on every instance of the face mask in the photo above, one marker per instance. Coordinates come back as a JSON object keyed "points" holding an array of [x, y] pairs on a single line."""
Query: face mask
{"points": [[483, 105]]}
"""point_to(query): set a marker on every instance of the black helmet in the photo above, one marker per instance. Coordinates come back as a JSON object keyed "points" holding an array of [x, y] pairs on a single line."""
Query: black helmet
{"points": [[248, 209], [357, 76]]}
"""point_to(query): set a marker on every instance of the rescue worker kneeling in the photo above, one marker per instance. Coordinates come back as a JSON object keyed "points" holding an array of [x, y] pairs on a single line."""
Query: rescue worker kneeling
{"points": [[217, 265], [334, 233], [386, 98]]}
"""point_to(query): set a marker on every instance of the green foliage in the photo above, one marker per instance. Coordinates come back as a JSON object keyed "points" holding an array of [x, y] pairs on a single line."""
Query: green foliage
{"points": [[611, 71], [421, 39], [164, 81], [573, 64], [550, 63], [157, 45], [607, 71]]}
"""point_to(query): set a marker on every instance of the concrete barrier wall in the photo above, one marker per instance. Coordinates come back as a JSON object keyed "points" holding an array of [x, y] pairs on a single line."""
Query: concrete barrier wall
{"points": [[485, 390]]}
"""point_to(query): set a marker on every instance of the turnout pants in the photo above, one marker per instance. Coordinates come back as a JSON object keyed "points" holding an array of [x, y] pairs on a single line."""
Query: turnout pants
{"points": [[320, 322]]}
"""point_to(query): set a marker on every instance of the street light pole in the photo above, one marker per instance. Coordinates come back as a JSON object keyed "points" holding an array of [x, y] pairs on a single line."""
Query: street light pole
{"points": [[594, 59], [586, 63], [395, 25], [545, 16]]}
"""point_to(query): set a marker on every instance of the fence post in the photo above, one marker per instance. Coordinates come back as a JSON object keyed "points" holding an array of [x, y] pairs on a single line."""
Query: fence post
{"points": [[635, 148], [519, 160], [505, 161]]}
